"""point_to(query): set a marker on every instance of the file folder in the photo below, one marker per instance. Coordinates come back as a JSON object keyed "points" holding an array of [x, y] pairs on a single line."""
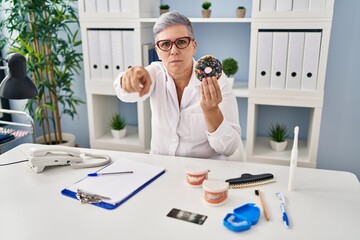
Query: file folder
{"points": [[267, 5], [115, 189], [283, 5], [295, 58], [90, 6], [128, 5], [94, 54], [102, 6], [279, 59], [301, 5], [129, 48], [311, 61], [317, 5], [117, 52], [106, 55], [114, 5], [264, 53]]}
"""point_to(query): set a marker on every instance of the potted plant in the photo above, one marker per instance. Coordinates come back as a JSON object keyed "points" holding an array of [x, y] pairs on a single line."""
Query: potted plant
{"points": [[118, 124], [230, 67], [42, 32], [278, 134], [206, 11], [164, 8], [240, 11]]}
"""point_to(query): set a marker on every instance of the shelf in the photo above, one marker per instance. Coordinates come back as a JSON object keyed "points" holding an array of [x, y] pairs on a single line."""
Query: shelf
{"points": [[264, 154], [240, 89], [206, 20], [130, 142]]}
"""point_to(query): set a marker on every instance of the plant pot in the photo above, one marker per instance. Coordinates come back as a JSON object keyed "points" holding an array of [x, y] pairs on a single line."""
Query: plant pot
{"points": [[278, 146], [240, 13], [68, 139], [162, 11], [231, 81], [206, 13], [118, 134]]}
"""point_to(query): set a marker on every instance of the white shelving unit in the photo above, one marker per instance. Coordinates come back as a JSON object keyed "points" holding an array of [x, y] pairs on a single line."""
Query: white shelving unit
{"points": [[121, 17], [315, 15]]}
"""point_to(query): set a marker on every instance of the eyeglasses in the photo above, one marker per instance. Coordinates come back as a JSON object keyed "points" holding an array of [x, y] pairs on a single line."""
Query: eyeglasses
{"points": [[181, 43]]}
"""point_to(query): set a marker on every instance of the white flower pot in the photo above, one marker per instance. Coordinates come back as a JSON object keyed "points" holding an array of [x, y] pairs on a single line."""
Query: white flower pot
{"points": [[231, 81], [118, 134], [68, 139], [278, 146]]}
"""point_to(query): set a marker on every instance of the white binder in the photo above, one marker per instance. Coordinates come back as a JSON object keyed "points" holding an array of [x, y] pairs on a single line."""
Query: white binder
{"points": [[105, 55], [263, 66], [295, 58], [279, 59], [114, 5], [90, 6], [128, 5], [311, 61], [267, 5], [94, 54], [129, 48], [301, 5], [283, 5], [102, 6], [316, 5], [117, 52]]}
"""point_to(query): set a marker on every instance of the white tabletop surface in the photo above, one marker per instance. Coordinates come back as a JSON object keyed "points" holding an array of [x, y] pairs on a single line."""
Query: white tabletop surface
{"points": [[324, 205]]}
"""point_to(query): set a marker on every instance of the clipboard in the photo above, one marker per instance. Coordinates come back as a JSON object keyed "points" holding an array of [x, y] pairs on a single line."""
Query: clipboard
{"points": [[110, 191]]}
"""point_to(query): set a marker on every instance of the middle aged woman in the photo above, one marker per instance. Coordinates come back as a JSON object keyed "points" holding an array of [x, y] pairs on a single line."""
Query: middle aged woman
{"points": [[190, 118]]}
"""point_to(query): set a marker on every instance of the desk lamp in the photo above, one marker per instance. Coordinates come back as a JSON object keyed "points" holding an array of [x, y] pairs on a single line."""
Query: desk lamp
{"points": [[16, 85]]}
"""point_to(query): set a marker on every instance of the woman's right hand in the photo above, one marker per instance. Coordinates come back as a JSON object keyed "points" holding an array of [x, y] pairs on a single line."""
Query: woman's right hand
{"points": [[136, 79]]}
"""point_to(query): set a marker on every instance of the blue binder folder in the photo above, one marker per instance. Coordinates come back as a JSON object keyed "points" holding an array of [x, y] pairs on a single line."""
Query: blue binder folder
{"points": [[115, 189]]}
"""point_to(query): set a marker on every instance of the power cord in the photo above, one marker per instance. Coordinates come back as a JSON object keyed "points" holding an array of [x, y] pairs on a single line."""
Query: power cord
{"points": [[11, 163]]}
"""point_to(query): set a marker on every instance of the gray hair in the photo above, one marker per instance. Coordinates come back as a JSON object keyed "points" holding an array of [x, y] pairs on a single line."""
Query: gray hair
{"points": [[172, 18]]}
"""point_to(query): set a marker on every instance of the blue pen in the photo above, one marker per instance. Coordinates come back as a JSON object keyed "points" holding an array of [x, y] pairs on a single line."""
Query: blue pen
{"points": [[282, 207], [95, 174]]}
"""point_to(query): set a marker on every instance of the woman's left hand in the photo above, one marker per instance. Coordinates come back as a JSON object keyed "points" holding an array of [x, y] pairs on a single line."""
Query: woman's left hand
{"points": [[210, 94], [210, 99]]}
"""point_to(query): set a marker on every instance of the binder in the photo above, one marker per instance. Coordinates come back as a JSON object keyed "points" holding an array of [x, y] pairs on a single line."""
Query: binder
{"points": [[149, 54], [117, 52], [105, 55], [90, 6], [129, 48], [279, 59], [128, 5], [317, 5], [102, 6], [115, 189], [283, 5], [264, 53], [311, 61], [267, 5], [94, 54], [295, 58], [301, 5], [114, 6], [5, 137]]}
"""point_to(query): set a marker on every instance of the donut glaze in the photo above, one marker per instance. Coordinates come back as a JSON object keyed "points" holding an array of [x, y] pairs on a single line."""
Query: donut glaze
{"points": [[208, 66]]}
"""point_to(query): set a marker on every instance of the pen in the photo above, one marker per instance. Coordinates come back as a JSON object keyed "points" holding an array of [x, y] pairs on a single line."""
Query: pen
{"points": [[95, 174]]}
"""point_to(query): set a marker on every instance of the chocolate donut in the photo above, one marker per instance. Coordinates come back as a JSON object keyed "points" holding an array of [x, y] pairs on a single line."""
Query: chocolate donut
{"points": [[208, 66]]}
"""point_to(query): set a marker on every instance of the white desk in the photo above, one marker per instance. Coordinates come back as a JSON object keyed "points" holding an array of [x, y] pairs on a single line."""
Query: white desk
{"points": [[325, 204]]}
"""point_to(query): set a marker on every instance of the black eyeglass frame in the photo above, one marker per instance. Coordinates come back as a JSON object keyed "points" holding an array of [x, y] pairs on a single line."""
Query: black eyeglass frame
{"points": [[174, 42]]}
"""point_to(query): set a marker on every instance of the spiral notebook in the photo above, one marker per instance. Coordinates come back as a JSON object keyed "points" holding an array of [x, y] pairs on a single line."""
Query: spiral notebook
{"points": [[115, 189]]}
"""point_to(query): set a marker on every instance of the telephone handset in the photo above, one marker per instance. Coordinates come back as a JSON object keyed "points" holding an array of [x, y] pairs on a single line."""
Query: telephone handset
{"points": [[42, 156]]}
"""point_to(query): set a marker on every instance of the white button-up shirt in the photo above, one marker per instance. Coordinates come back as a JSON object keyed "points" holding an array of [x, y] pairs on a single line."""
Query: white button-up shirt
{"points": [[181, 130]]}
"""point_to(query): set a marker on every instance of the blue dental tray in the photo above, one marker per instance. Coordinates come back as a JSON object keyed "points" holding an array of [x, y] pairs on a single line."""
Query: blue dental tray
{"points": [[243, 217]]}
